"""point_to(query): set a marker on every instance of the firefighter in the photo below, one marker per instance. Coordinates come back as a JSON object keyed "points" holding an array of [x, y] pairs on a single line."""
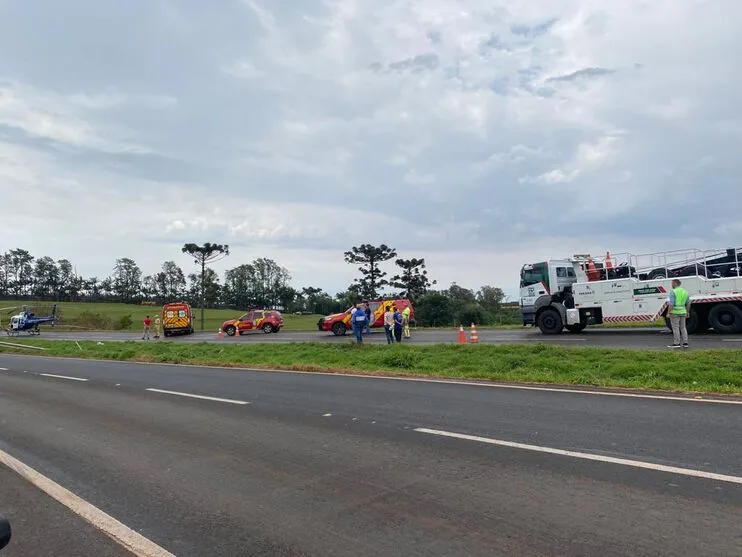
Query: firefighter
{"points": [[406, 322]]}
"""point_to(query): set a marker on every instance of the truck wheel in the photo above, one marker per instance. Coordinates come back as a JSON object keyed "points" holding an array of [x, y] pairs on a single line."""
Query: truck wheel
{"points": [[267, 328], [231, 330], [550, 322], [726, 318], [657, 274], [339, 329], [577, 328]]}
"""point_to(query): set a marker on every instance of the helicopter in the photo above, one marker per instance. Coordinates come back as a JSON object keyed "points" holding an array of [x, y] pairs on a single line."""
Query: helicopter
{"points": [[29, 322]]}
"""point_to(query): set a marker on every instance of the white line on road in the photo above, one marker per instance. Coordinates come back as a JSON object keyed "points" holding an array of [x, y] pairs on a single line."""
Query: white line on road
{"points": [[131, 540], [199, 396], [63, 377], [4, 369], [587, 456]]}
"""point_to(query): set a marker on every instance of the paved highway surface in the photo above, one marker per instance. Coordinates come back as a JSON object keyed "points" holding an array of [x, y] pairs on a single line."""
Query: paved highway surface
{"points": [[615, 338], [274, 463]]}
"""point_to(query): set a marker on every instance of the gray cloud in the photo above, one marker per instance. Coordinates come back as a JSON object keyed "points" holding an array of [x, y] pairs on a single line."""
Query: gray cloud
{"points": [[582, 73], [297, 129], [421, 62], [533, 31]]}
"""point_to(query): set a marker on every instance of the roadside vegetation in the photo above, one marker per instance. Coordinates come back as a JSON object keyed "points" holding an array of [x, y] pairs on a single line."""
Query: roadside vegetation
{"points": [[115, 316], [688, 371], [91, 316]]}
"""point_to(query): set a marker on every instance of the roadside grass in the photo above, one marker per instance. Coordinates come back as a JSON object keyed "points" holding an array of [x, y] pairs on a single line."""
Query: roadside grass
{"points": [[707, 371], [109, 316]]}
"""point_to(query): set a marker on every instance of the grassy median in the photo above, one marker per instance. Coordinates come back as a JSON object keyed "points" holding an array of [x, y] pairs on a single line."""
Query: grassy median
{"points": [[708, 371]]}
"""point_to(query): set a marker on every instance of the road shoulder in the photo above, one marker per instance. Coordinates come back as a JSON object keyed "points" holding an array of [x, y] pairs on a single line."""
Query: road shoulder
{"points": [[42, 526]]}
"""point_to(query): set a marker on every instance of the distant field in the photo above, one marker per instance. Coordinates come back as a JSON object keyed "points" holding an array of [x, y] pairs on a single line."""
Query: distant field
{"points": [[97, 316]]}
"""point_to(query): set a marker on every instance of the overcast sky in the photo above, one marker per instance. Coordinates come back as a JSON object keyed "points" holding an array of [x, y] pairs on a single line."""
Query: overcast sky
{"points": [[477, 134]]}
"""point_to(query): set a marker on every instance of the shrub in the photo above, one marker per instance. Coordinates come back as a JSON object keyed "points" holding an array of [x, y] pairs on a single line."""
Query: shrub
{"points": [[90, 320], [124, 322]]}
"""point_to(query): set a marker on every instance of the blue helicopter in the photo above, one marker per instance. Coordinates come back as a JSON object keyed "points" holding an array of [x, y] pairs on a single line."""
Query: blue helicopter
{"points": [[29, 322]]}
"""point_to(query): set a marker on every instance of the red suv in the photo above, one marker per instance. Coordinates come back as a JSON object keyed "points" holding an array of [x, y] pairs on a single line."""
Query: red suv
{"points": [[339, 323], [266, 320]]}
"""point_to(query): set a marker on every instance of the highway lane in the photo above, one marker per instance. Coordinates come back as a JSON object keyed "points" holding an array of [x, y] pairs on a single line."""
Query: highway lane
{"points": [[327, 465], [609, 338]]}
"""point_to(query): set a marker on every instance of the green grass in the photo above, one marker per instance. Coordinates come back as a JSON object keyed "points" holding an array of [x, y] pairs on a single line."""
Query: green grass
{"points": [[688, 371], [81, 316]]}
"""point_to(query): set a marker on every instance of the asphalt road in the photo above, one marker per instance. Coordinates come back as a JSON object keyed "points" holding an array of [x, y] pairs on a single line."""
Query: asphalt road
{"points": [[610, 338], [308, 464]]}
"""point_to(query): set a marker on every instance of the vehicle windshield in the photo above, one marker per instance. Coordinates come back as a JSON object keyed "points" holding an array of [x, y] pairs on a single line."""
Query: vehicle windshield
{"points": [[533, 274]]}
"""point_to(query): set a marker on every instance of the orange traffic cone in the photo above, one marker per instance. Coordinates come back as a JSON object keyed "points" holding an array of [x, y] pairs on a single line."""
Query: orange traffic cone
{"points": [[608, 260], [462, 335], [220, 334], [474, 336], [592, 270]]}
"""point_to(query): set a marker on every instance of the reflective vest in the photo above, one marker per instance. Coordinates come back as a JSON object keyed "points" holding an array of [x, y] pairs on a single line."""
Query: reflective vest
{"points": [[681, 297]]}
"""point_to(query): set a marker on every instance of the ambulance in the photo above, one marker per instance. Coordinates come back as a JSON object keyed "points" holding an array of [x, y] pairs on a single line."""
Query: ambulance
{"points": [[177, 319]]}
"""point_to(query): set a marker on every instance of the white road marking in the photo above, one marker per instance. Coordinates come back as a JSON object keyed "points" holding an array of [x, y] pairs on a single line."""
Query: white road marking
{"points": [[472, 383], [125, 536], [4, 369], [63, 377], [199, 396], [587, 456], [731, 340], [326, 415]]}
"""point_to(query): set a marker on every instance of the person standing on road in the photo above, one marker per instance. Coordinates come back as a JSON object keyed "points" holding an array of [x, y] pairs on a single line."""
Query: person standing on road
{"points": [[679, 312], [367, 309], [397, 325], [358, 318], [147, 325], [406, 322], [157, 326], [389, 324]]}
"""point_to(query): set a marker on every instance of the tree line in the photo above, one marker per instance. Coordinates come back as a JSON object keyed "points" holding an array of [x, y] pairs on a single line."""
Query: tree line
{"points": [[260, 283]]}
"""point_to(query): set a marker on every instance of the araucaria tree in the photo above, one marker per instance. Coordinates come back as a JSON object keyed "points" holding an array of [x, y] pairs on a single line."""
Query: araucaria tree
{"points": [[413, 278], [369, 258], [202, 255]]}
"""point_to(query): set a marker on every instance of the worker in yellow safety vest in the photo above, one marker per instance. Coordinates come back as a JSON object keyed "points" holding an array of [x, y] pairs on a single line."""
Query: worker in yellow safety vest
{"points": [[406, 322], [679, 312]]}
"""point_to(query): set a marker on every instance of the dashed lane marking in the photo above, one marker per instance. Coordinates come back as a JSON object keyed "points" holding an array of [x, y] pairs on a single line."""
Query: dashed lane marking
{"points": [[63, 377], [191, 395]]}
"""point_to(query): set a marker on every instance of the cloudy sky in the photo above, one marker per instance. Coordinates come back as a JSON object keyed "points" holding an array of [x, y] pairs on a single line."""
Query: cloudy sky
{"points": [[478, 134]]}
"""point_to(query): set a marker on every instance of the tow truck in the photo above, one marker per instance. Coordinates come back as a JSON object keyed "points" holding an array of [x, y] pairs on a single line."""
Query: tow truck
{"points": [[576, 292]]}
